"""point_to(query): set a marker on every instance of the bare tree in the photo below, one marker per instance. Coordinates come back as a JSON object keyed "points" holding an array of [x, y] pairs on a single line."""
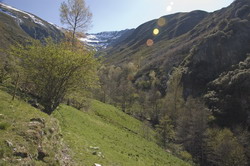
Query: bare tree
{"points": [[76, 15]]}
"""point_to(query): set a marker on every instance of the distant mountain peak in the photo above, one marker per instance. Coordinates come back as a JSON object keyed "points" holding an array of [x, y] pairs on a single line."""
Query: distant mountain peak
{"points": [[26, 25], [102, 40], [6, 9]]}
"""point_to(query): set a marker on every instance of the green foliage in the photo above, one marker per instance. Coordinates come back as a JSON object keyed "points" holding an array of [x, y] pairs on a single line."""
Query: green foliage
{"points": [[223, 149], [117, 87], [4, 125], [186, 156], [192, 124], [243, 137], [146, 131], [54, 70], [174, 97], [166, 130], [228, 97], [179, 151]]}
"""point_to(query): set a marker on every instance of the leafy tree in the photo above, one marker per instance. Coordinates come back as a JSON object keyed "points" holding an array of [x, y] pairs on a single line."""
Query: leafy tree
{"points": [[166, 131], [243, 137], [228, 97], [192, 124], [146, 131], [55, 70], [76, 15], [4, 67], [125, 91], [109, 82], [154, 106], [174, 101], [223, 149]]}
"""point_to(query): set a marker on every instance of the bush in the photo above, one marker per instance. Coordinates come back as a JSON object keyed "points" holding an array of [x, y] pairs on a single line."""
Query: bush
{"points": [[54, 70]]}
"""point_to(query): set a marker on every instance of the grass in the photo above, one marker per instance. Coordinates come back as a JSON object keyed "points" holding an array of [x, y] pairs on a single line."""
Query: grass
{"points": [[14, 117], [103, 135], [19, 142], [107, 136]]}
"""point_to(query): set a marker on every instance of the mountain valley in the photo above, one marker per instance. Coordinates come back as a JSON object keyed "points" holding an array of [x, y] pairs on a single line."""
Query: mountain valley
{"points": [[173, 91]]}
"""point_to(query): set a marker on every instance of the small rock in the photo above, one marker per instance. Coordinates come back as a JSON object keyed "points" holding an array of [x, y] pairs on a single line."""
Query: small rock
{"points": [[94, 148], [34, 135], [167, 150], [35, 124], [94, 153], [51, 130], [41, 120], [97, 164], [10, 144]]}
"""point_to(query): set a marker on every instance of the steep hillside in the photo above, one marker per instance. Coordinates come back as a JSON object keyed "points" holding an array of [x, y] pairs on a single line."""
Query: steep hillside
{"points": [[204, 44], [225, 45], [107, 136], [228, 95], [172, 27], [17, 25], [102, 135]]}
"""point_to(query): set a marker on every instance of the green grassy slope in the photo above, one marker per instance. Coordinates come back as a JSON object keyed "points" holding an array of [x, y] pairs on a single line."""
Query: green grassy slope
{"points": [[27, 135], [115, 135], [102, 135]]}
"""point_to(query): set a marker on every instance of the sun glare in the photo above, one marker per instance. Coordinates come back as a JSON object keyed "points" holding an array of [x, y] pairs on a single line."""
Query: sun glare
{"points": [[156, 31]]}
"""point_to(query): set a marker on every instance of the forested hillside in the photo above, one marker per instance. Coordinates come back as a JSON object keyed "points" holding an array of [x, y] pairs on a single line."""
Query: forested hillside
{"points": [[188, 74]]}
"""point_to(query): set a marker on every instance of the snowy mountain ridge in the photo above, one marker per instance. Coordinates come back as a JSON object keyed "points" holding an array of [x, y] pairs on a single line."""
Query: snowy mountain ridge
{"points": [[103, 40], [6, 9], [38, 28], [28, 23]]}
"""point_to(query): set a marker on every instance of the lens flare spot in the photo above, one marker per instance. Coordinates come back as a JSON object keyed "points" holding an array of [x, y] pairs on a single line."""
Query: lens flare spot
{"points": [[150, 42], [169, 8], [161, 22], [156, 31]]}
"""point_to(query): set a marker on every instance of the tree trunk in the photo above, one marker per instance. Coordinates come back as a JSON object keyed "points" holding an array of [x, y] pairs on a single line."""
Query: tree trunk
{"points": [[15, 89]]}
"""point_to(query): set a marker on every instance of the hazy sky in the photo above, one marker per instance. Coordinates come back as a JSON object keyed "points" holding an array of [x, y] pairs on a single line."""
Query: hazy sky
{"points": [[109, 15]]}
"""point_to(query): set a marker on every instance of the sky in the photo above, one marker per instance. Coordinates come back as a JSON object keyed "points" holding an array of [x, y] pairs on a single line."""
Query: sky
{"points": [[112, 15]]}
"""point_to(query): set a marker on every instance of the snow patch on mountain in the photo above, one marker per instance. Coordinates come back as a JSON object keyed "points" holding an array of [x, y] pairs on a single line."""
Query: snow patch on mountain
{"points": [[6, 9], [102, 40]]}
